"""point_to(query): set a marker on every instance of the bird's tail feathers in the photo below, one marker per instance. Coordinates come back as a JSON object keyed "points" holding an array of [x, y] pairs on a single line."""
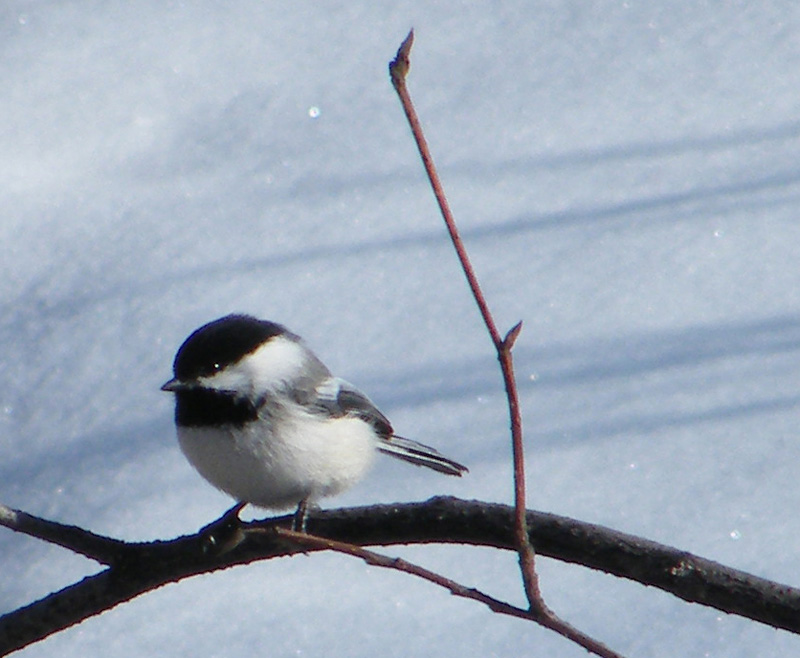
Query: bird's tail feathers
{"points": [[420, 455]]}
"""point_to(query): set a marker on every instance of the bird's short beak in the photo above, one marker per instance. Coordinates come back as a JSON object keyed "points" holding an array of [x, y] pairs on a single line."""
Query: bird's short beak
{"points": [[174, 385]]}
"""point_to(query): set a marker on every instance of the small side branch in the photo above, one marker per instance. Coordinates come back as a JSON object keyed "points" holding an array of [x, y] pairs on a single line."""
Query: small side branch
{"points": [[399, 564], [548, 620]]}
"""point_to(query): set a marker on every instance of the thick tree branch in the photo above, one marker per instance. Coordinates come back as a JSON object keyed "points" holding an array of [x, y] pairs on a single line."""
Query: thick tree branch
{"points": [[96, 547], [141, 567]]}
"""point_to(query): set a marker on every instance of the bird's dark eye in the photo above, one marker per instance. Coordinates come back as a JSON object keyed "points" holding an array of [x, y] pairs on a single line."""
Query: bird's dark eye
{"points": [[216, 367]]}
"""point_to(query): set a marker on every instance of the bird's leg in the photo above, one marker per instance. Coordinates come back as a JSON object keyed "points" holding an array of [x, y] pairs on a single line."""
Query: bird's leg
{"points": [[300, 516]]}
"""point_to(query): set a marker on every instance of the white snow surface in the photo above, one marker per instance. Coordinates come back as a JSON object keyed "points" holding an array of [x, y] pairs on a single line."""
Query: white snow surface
{"points": [[627, 180]]}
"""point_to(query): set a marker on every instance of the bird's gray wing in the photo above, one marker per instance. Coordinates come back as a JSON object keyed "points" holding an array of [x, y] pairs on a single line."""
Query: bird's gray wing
{"points": [[336, 397]]}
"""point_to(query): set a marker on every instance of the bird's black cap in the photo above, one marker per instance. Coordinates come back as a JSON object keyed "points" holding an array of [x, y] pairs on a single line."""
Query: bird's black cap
{"points": [[220, 343]]}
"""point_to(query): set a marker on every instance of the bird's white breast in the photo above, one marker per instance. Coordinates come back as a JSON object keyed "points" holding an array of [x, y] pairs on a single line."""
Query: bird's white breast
{"points": [[309, 457]]}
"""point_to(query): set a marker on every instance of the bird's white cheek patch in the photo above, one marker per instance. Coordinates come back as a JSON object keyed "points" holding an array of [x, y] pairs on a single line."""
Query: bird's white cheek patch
{"points": [[276, 362], [270, 367], [231, 379]]}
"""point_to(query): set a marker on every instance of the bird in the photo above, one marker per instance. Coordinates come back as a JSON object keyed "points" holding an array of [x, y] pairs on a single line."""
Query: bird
{"points": [[261, 418]]}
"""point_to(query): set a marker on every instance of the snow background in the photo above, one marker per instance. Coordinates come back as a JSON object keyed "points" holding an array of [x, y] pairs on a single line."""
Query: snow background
{"points": [[626, 178]]}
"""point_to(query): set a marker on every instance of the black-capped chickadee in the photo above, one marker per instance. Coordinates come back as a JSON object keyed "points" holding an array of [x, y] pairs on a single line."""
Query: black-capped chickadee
{"points": [[261, 417]]}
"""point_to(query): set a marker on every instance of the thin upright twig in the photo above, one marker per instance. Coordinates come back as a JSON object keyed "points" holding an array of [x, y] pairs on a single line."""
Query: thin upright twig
{"points": [[398, 70]]}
